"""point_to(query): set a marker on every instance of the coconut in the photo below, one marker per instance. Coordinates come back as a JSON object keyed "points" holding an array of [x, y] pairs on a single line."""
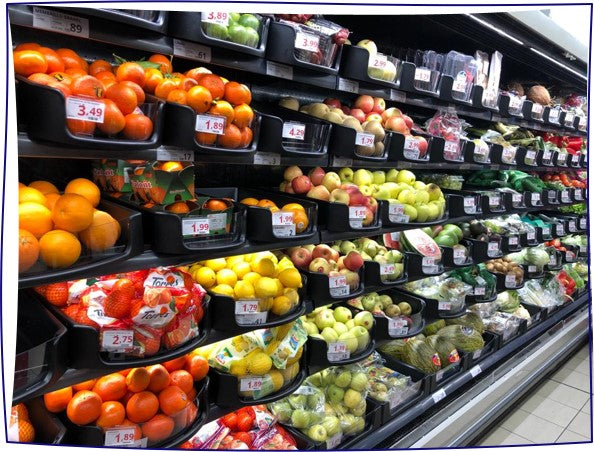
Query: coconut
{"points": [[539, 94], [516, 88]]}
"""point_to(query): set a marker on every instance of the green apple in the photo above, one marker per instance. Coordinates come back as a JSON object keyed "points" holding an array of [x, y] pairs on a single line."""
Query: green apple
{"points": [[394, 256], [316, 379], [360, 409], [311, 328], [340, 328], [348, 423], [316, 336], [406, 176], [385, 300], [317, 433], [335, 394], [283, 410], [234, 17], [366, 190], [217, 31], [329, 334], [371, 248], [405, 308], [243, 35], [406, 197], [300, 418], [342, 314], [315, 400], [346, 247], [434, 192], [343, 379], [364, 319], [434, 211], [298, 401], [368, 301], [382, 193], [327, 378], [324, 319], [379, 177], [410, 211], [331, 424], [350, 324], [421, 197], [346, 174], [352, 398], [392, 175], [419, 185], [350, 341], [423, 212], [249, 20], [362, 177], [359, 381], [362, 336]]}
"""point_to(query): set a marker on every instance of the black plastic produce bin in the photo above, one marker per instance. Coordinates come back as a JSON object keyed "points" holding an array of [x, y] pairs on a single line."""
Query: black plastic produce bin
{"points": [[318, 351], [48, 428], [503, 156], [452, 257], [148, 19], [484, 250], [434, 309], [373, 274], [392, 215], [354, 66], [405, 148], [474, 358], [319, 291], [462, 203], [422, 266], [505, 282], [511, 243]]}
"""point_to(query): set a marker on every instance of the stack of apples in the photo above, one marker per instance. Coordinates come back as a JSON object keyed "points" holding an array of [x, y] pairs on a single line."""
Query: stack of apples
{"points": [[328, 186]]}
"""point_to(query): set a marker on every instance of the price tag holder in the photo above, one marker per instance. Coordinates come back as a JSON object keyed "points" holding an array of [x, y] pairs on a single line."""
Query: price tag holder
{"points": [[210, 124], [350, 86], [422, 74], [250, 384], [267, 158], [516, 198], [469, 205], [565, 196], [509, 155], [246, 313], [191, 50], [546, 231], [46, 19], [195, 226], [356, 216], [459, 84], [510, 280], [396, 213], [397, 96], [378, 60], [474, 371], [583, 223], [397, 326], [283, 224], [364, 139], [575, 159], [515, 102], [119, 437], [562, 160], [117, 340], [553, 260], [337, 351], [459, 256], [537, 109], [572, 226], [307, 42], [218, 17], [338, 286], [334, 441], [477, 354], [530, 155], [535, 198], [85, 109], [560, 228], [439, 395], [513, 240], [531, 235], [279, 70], [554, 115], [552, 196], [494, 200], [444, 306], [451, 149], [479, 290], [578, 195], [387, 269], [294, 130], [569, 117], [569, 256], [165, 155], [429, 265], [532, 269], [492, 249], [341, 161]]}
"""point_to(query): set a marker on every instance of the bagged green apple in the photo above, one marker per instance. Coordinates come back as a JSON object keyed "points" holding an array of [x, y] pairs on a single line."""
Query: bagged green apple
{"points": [[243, 29], [302, 409]]}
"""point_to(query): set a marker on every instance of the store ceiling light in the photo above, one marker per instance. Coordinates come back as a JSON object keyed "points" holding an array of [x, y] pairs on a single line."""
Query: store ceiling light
{"points": [[564, 66], [494, 28]]}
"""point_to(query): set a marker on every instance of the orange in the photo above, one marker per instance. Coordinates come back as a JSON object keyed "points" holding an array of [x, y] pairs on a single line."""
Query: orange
{"points": [[223, 108], [44, 186], [80, 127], [159, 378], [178, 207], [205, 138], [72, 59], [140, 97], [58, 400], [197, 366], [186, 417], [300, 220], [165, 62], [112, 414], [192, 394], [171, 166], [214, 84], [142, 406], [158, 428], [137, 430], [237, 93], [27, 62], [179, 96], [35, 218], [292, 207], [164, 87], [183, 380], [131, 71], [243, 115], [28, 250], [197, 73], [175, 364], [173, 399], [113, 119], [231, 138], [99, 66], [29, 194], [103, 232], [54, 62], [138, 127], [249, 201], [199, 99], [111, 387], [62, 87], [86, 188], [59, 248], [27, 46], [26, 431], [186, 83], [106, 78], [41, 78], [62, 77], [138, 379], [123, 96], [87, 85], [267, 203], [21, 185], [215, 204], [75, 72], [152, 77], [246, 137], [72, 212], [84, 407], [85, 385]]}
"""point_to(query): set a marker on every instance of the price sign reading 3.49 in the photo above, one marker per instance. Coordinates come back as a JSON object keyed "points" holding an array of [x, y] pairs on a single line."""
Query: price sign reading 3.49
{"points": [[85, 109]]}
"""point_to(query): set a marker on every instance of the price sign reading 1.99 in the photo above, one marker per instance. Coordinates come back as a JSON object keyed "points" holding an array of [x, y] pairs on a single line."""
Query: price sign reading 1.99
{"points": [[195, 226], [85, 109], [210, 124]]}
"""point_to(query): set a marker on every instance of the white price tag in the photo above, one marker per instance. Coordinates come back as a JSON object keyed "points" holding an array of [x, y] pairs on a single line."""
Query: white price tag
{"points": [[387, 269], [279, 70], [439, 395], [294, 130], [287, 230], [513, 240], [578, 195], [267, 158], [397, 326], [210, 124], [422, 74], [191, 50], [119, 436], [552, 196], [338, 286], [479, 290], [516, 198], [334, 441], [532, 269], [546, 156], [553, 260], [337, 351], [554, 115], [429, 265], [492, 249], [569, 256], [508, 155], [451, 148], [395, 236], [531, 235], [477, 354], [117, 340], [397, 96], [364, 139], [250, 384], [62, 23], [510, 280], [307, 41], [396, 213], [218, 17], [535, 197], [378, 61], [85, 109], [283, 224], [546, 231], [494, 200], [195, 226], [575, 159], [583, 121], [560, 228], [562, 160], [530, 155], [571, 226], [459, 85], [583, 223], [515, 102], [246, 313], [569, 117], [348, 85], [537, 109], [357, 212], [469, 205], [165, 155], [444, 306], [565, 196], [474, 371], [459, 256]]}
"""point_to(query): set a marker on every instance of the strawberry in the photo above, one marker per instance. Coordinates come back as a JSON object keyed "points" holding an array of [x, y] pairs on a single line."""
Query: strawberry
{"points": [[57, 293], [118, 301]]}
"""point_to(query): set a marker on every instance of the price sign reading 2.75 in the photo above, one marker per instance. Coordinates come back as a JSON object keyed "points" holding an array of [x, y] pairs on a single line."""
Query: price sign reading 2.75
{"points": [[85, 109], [210, 124]]}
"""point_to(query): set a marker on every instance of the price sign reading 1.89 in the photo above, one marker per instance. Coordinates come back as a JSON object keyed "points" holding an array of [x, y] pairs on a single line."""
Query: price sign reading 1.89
{"points": [[195, 226], [364, 139], [250, 384], [294, 130], [221, 18], [306, 41], [210, 124], [119, 437], [85, 109]]}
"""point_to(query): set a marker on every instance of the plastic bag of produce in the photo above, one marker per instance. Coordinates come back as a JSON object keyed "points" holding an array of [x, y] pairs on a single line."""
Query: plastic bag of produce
{"points": [[386, 385], [448, 126], [302, 409], [287, 345], [503, 323], [484, 310], [273, 438], [508, 301], [464, 338]]}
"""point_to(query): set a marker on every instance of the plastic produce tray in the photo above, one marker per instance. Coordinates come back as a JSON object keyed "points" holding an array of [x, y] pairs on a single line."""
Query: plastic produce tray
{"points": [[318, 288]]}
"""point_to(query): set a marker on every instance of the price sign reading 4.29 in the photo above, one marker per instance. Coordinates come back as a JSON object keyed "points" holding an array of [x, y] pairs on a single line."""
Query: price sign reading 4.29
{"points": [[117, 340], [210, 124], [119, 437], [307, 41], [294, 130], [85, 109], [220, 18]]}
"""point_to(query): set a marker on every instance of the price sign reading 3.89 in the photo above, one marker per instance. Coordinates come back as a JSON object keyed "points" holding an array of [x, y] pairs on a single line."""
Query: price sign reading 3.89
{"points": [[220, 18]]}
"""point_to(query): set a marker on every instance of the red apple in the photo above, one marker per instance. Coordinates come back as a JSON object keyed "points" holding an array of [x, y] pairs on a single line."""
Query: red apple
{"points": [[358, 114], [357, 199], [392, 111], [396, 124], [408, 120], [320, 192], [289, 189], [379, 105], [324, 251], [301, 184], [335, 255], [292, 172], [316, 175], [346, 110], [320, 265], [372, 203], [373, 117], [300, 257], [331, 102], [365, 103], [350, 188], [369, 217], [353, 261], [422, 145]]}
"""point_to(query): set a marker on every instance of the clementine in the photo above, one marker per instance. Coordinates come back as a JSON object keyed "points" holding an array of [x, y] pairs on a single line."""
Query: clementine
{"points": [[138, 379], [103, 232], [158, 428], [84, 407], [59, 248], [159, 378], [112, 414], [58, 400], [111, 387], [142, 406], [35, 218], [28, 250], [72, 212]]}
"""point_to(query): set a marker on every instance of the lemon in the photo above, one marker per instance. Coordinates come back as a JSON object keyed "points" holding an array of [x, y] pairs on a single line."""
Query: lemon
{"points": [[279, 287], [205, 276], [216, 264], [281, 305], [248, 257], [266, 287], [290, 278], [277, 379], [224, 289], [244, 289], [259, 363], [195, 267], [292, 295], [266, 255], [290, 371], [232, 260], [264, 266], [265, 304], [240, 343], [283, 264], [252, 277], [226, 276], [272, 347], [295, 358], [238, 367], [282, 330], [241, 269]]}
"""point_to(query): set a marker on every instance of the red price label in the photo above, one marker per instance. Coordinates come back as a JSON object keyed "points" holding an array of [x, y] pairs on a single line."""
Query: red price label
{"points": [[378, 61], [85, 109], [364, 139], [306, 41], [387, 269], [210, 124], [411, 144], [282, 218], [119, 437], [195, 226], [422, 74], [395, 209], [294, 130], [337, 347], [337, 281], [218, 17], [250, 384], [246, 306], [357, 212], [117, 340]]}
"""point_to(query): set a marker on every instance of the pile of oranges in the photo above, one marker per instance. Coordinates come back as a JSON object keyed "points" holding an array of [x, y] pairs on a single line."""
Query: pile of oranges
{"points": [[118, 89], [155, 401], [53, 226], [300, 219], [19, 420]]}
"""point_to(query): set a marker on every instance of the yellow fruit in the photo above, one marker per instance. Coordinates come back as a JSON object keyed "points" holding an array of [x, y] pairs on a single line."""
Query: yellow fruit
{"points": [[279, 288], [216, 264], [244, 289], [248, 257], [281, 305], [224, 289], [226, 276], [277, 379], [44, 187], [259, 363], [283, 264], [35, 218], [252, 278], [266, 287], [205, 276], [265, 304], [270, 348], [281, 331], [295, 358], [268, 255], [264, 266], [232, 260], [292, 295], [290, 278], [241, 269], [240, 343], [290, 371], [103, 232], [28, 194], [238, 367]]}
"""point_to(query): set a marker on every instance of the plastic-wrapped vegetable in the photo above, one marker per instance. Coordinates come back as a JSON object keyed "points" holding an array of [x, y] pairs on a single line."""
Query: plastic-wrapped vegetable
{"points": [[508, 301], [448, 126], [502, 323], [387, 385]]}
